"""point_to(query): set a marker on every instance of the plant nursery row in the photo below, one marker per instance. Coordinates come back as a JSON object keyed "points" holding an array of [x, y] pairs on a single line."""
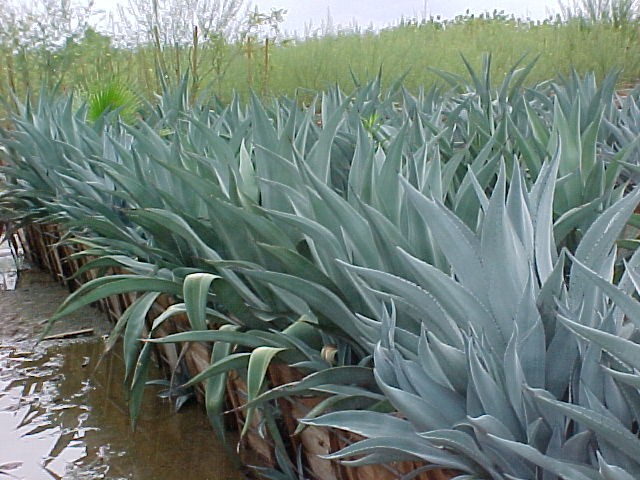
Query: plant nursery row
{"points": [[379, 283]]}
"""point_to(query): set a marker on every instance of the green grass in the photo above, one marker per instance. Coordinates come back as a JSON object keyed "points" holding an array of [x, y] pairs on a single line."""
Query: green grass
{"points": [[314, 63], [418, 49]]}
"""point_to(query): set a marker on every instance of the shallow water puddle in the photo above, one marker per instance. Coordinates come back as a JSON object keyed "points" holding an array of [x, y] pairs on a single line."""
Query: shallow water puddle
{"points": [[35, 427], [61, 417]]}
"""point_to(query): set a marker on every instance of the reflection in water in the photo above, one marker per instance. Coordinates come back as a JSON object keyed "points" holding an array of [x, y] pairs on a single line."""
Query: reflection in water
{"points": [[64, 418], [63, 422]]}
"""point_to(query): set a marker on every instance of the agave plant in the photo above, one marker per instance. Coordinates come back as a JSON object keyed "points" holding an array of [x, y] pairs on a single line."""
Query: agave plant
{"points": [[497, 385]]}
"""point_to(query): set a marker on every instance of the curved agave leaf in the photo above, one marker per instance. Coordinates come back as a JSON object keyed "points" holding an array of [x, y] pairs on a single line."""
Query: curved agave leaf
{"points": [[259, 360], [491, 396], [599, 240], [458, 243], [135, 318], [112, 285], [336, 314], [505, 261], [612, 472], [622, 300], [459, 441], [195, 291], [382, 449], [429, 306], [541, 200], [565, 470], [425, 413], [625, 350], [181, 228], [606, 426], [215, 386], [138, 383], [247, 339], [329, 378], [366, 423], [233, 361]]}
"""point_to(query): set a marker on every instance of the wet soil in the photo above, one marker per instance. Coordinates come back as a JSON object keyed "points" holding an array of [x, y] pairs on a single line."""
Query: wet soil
{"points": [[63, 413]]}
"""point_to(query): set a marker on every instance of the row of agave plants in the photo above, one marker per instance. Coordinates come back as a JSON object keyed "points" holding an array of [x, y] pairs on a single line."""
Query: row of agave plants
{"points": [[452, 275]]}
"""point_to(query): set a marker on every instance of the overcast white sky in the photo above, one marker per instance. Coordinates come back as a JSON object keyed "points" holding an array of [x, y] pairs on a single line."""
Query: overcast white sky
{"points": [[384, 12]]}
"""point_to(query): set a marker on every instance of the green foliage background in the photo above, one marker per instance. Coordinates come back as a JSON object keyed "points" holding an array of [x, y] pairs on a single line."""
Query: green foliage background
{"points": [[283, 67]]}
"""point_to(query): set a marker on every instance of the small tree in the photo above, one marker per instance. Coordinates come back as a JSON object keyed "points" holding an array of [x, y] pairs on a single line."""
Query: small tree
{"points": [[265, 27], [32, 35], [621, 13], [176, 28]]}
